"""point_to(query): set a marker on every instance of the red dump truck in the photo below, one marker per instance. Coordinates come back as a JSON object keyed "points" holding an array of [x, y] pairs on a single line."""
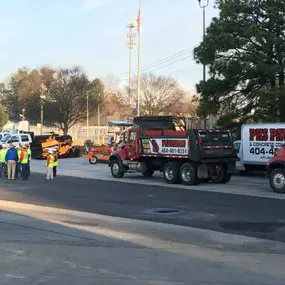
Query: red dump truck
{"points": [[184, 155]]}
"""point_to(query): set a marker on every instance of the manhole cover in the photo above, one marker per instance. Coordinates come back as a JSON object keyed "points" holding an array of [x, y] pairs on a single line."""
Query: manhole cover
{"points": [[263, 227], [167, 211], [164, 211]]}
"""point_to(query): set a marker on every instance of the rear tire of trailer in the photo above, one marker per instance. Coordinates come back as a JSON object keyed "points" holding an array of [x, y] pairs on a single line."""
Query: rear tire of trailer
{"points": [[94, 160], [117, 169], [171, 173], [188, 174]]}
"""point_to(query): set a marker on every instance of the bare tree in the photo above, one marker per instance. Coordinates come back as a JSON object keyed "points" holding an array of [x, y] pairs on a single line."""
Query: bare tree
{"points": [[159, 95], [111, 83], [67, 98]]}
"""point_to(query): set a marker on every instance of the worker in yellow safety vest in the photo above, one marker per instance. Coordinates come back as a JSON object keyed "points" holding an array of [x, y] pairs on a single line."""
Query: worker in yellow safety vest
{"points": [[50, 163], [24, 160], [55, 164], [18, 165], [3, 165], [30, 156]]}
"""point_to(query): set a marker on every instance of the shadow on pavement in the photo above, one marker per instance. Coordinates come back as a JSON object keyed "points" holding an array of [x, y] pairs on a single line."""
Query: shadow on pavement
{"points": [[33, 251]]}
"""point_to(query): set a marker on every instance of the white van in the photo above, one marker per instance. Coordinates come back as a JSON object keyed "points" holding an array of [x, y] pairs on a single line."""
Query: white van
{"points": [[16, 139], [258, 144]]}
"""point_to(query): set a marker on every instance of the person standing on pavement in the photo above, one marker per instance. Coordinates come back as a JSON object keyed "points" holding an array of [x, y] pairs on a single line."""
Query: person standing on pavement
{"points": [[24, 160], [18, 165], [29, 159], [3, 165], [11, 158], [50, 162], [55, 164]]}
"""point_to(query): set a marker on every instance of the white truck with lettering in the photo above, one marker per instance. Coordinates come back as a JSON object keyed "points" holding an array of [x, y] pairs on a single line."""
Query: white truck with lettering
{"points": [[258, 144]]}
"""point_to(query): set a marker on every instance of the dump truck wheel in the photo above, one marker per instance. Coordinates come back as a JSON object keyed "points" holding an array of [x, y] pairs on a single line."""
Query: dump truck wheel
{"points": [[117, 169], [227, 178], [188, 174], [171, 172], [219, 175]]}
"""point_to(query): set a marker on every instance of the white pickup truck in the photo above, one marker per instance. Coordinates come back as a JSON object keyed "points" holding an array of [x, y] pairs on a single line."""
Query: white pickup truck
{"points": [[258, 144], [16, 139]]}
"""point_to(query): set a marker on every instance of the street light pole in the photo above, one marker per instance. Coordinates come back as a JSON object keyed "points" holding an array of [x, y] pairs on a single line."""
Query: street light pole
{"points": [[203, 4]]}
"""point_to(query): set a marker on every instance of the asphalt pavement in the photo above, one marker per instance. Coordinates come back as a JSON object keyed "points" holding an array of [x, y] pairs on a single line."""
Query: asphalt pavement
{"points": [[87, 228], [238, 214]]}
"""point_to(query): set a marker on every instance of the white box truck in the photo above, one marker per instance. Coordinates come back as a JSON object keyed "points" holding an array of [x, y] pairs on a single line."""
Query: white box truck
{"points": [[258, 144]]}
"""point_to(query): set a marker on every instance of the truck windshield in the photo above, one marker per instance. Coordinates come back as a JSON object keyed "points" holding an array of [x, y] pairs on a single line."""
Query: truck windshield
{"points": [[5, 138], [215, 138]]}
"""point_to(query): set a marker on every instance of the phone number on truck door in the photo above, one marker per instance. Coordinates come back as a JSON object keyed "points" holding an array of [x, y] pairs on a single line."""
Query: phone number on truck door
{"points": [[174, 150]]}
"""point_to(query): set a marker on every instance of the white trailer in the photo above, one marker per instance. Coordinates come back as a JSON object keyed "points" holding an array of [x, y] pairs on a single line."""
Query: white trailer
{"points": [[258, 144]]}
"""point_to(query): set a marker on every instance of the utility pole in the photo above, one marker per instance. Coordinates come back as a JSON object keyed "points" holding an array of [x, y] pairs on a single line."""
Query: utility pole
{"points": [[98, 111], [130, 44], [139, 59], [87, 116], [42, 97], [203, 4]]}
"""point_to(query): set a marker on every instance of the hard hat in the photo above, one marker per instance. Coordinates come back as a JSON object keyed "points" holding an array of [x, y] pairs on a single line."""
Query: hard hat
{"points": [[11, 145], [4, 145]]}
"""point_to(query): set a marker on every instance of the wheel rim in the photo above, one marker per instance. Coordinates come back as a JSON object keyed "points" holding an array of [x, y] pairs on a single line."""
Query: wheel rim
{"points": [[93, 159], [169, 173], [279, 180], [186, 174], [116, 168]]}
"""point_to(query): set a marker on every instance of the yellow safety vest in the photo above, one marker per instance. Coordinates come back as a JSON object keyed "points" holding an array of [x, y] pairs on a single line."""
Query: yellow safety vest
{"points": [[51, 162], [3, 155], [55, 163], [25, 159]]}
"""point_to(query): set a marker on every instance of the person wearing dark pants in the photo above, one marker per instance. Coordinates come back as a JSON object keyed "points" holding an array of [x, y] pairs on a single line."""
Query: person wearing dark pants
{"points": [[24, 159], [18, 165], [29, 158], [3, 165], [55, 164]]}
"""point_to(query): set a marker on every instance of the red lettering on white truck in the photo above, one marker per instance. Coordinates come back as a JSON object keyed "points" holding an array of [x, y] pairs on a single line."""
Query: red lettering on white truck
{"points": [[258, 134], [277, 135], [173, 143]]}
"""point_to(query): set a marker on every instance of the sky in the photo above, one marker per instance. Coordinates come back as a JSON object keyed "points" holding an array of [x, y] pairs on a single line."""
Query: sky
{"points": [[92, 34]]}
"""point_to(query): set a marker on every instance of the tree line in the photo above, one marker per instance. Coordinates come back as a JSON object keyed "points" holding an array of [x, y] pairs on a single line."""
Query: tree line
{"points": [[244, 50], [64, 93]]}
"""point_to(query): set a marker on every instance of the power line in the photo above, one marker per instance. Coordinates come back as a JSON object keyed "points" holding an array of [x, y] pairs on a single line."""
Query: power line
{"points": [[166, 64], [160, 62]]}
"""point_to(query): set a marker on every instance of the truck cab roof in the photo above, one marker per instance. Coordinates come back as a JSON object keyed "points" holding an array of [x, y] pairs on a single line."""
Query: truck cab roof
{"points": [[156, 122]]}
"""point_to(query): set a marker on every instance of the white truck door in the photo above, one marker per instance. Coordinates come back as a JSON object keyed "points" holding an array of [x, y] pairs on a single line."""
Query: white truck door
{"points": [[14, 140], [26, 139]]}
